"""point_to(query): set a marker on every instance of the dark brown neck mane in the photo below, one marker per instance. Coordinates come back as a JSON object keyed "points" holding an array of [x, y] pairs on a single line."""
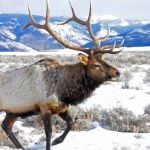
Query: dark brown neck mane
{"points": [[75, 86]]}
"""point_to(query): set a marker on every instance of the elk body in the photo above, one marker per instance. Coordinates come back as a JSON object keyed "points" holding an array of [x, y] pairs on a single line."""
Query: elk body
{"points": [[49, 88]]}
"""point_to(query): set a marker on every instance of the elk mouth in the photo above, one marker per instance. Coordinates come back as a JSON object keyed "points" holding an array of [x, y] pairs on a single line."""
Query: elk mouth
{"points": [[114, 76], [110, 78]]}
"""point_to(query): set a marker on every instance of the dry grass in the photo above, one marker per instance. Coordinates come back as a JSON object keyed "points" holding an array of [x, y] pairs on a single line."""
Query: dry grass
{"points": [[121, 60], [4, 140], [127, 59], [147, 77]]}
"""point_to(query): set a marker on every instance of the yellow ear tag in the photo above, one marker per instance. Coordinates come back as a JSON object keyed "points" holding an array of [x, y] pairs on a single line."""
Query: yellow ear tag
{"points": [[83, 59]]}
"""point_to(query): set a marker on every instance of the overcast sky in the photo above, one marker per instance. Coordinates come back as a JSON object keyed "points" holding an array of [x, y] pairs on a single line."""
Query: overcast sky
{"points": [[130, 9]]}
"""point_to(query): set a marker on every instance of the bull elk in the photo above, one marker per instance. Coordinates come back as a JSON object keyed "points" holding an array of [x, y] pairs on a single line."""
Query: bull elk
{"points": [[49, 87]]}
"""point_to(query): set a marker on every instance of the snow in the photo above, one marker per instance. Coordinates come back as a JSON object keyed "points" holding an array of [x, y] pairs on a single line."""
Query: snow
{"points": [[96, 139], [140, 31], [111, 96], [36, 53], [7, 33], [108, 17], [99, 18], [145, 22], [101, 139], [146, 48], [104, 32], [124, 23], [13, 45]]}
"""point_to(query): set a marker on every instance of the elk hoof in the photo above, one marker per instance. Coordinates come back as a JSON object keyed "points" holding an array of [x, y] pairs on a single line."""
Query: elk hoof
{"points": [[57, 141]]}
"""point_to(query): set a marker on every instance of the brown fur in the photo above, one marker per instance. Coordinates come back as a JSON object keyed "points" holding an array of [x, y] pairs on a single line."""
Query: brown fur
{"points": [[74, 83]]}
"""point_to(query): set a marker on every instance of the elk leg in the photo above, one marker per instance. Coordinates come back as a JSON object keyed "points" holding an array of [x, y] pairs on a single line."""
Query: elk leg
{"points": [[48, 129], [66, 117], [7, 125]]}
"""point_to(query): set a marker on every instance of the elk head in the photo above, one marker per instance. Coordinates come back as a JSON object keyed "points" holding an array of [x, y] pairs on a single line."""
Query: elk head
{"points": [[96, 67]]}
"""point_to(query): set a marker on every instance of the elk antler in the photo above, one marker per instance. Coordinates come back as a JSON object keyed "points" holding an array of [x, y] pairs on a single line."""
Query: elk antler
{"points": [[87, 23], [46, 26], [97, 49], [96, 41]]}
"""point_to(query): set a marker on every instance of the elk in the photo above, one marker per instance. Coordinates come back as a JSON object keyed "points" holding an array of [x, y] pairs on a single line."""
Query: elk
{"points": [[48, 87]]}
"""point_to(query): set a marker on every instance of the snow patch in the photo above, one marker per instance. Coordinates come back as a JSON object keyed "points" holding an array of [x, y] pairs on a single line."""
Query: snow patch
{"points": [[124, 23], [108, 17], [7, 33], [145, 22]]}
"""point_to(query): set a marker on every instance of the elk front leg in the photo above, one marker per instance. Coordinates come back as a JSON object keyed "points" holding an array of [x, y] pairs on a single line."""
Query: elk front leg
{"points": [[66, 117], [48, 129], [7, 125]]}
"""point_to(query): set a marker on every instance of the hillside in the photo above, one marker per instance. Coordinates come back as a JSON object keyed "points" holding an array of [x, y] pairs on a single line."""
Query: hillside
{"points": [[14, 38]]}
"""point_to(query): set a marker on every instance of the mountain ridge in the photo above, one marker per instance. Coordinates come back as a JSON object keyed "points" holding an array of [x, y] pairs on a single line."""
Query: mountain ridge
{"points": [[14, 38]]}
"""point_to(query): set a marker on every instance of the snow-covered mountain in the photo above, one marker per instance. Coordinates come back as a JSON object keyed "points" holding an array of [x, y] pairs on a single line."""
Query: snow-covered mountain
{"points": [[14, 38]]}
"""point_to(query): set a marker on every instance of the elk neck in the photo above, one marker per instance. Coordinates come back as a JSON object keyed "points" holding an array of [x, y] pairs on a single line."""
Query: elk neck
{"points": [[73, 84]]}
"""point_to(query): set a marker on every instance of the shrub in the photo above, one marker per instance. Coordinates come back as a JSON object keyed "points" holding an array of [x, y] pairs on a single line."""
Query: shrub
{"points": [[126, 76], [147, 77], [147, 109], [4, 140], [122, 120], [137, 69], [83, 119], [143, 123], [118, 119]]}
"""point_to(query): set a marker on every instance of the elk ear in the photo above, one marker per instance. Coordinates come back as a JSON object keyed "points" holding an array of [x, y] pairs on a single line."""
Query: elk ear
{"points": [[84, 59]]}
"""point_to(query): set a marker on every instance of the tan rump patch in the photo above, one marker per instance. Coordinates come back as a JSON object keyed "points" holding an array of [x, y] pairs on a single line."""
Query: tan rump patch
{"points": [[57, 108], [53, 107]]}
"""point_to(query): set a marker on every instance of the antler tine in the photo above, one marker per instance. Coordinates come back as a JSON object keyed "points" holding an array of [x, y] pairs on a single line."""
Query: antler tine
{"points": [[69, 20], [87, 23], [47, 13], [101, 39], [74, 18], [110, 49], [95, 40], [32, 21], [122, 42], [47, 27]]}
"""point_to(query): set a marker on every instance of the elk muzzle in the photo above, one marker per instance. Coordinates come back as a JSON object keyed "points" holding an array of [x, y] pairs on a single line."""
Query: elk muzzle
{"points": [[113, 74]]}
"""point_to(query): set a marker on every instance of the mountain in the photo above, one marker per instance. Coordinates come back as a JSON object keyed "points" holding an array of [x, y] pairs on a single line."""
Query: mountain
{"points": [[14, 38]]}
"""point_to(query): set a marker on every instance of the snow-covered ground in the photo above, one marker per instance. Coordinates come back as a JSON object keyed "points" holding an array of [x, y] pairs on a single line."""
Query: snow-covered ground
{"points": [[96, 139], [108, 96]]}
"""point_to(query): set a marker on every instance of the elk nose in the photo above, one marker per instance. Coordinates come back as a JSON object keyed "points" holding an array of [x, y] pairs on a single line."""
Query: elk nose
{"points": [[117, 73]]}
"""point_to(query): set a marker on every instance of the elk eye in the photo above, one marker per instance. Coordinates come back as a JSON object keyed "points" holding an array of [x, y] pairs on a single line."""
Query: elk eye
{"points": [[97, 66]]}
